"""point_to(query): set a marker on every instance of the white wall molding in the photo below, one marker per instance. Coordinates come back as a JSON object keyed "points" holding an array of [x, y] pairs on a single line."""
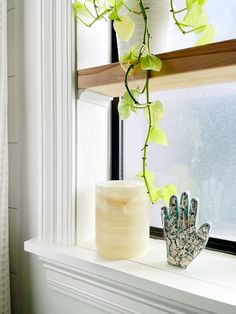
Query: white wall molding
{"points": [[93, 160], [131, 287], [98, 291], [86, 297], [95, 98], [65, 127], [56, 124]]}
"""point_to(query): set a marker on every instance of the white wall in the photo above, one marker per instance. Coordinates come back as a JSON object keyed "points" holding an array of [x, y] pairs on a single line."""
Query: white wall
{"points": [[30, 295]]}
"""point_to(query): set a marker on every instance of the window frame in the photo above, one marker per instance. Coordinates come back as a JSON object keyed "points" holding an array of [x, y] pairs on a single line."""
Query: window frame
{"points": [[117, 152]]}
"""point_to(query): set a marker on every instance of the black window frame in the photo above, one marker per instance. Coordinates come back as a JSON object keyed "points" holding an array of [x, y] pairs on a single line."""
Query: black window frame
{"points": [[215, 244]]}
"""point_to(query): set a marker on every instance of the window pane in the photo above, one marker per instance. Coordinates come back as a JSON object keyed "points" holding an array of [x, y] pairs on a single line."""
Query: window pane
{"points": [[201, 156]]}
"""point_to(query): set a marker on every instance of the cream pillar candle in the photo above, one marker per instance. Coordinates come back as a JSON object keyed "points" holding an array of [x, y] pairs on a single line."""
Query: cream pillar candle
{"points": [[122, 219]]}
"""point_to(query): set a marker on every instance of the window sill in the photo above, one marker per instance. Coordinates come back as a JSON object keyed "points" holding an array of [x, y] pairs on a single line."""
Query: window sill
{"points": [[144, 284]]}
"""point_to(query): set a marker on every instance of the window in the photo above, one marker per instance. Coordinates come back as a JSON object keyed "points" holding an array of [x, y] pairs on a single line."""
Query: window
{"points": [[201, 155]]}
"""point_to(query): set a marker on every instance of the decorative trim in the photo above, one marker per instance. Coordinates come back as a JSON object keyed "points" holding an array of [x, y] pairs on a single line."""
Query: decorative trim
{"points": [[56, 128], [94, 158], [95, 98], [88, 298], [146, 288], [59, 121], [98, 291]]}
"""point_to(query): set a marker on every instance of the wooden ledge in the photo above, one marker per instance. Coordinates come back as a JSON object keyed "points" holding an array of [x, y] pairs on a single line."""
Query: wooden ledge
{"points": [[203, 65]]}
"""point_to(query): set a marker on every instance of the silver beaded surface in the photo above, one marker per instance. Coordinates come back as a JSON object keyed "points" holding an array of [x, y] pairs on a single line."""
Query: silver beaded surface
{"points": [[183, 241]]}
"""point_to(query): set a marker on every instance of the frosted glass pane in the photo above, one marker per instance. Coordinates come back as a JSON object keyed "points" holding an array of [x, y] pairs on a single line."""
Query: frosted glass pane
{"points": [[201, 156]]}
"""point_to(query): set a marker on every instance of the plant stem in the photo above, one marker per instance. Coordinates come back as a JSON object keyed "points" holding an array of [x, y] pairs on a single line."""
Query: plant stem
{"points": [[127, 85], [147, 138], [146, 43], [146, 33], [88, 10], [174, 17], [95, 7], [193, 30], [179, 11], [146, 40], [145, 21], [131, 10], [141, 107], [95, 20]]}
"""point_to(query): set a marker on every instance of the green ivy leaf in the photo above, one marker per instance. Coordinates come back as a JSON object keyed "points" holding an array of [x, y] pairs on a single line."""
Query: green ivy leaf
{"points": [[132, 54], [207, 36], [151, 62], [200, 29], [127, 97], [192, 15], [157, 136], [124, 110], [167, 192], [150, 178], [117, 4], [190, 3], [156, 195], [202, 2], [127, 104], [114, 15], [80, 9], [124, 27], [157, 112], [202, 21], [129, 100]]}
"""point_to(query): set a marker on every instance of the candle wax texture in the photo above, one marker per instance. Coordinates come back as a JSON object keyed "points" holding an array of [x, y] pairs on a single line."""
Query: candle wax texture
{"points": [[122, 219]]}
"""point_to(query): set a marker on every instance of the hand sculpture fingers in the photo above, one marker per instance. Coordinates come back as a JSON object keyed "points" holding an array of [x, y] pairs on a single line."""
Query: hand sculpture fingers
{"points": [[183, 211], [192, 213], [164, 217], [203, 232], [173, 212]]}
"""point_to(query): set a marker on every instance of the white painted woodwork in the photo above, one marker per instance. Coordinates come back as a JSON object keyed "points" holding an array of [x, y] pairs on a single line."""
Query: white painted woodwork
{"points": [[93, 157], [37, 53], [56, 128], [145, 284]]}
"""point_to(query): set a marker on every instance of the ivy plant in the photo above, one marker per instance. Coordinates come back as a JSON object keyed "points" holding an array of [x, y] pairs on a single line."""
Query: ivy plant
{"points": [[191, 18]]}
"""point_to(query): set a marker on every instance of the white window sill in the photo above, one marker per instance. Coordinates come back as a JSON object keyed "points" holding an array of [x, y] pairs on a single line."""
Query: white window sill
{"points": [[207, 286]]}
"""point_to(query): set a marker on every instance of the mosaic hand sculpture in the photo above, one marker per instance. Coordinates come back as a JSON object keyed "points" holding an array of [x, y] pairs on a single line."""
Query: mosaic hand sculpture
{"points": [[183, 241]]}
